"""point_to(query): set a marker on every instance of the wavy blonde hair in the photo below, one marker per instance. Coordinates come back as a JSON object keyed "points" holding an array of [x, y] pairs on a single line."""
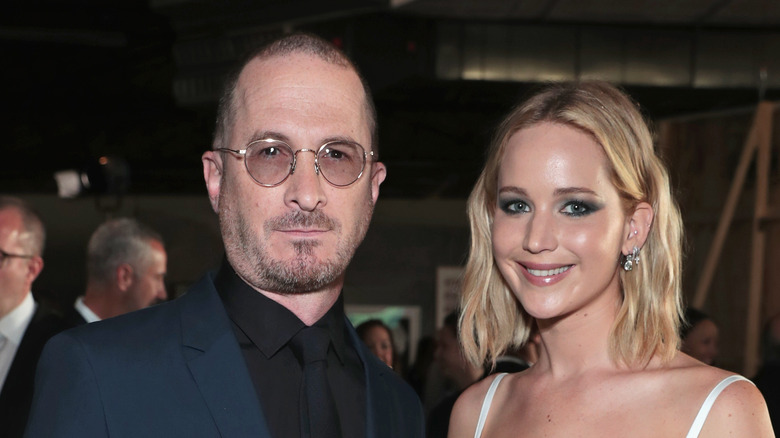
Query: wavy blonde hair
{"points": [[648, 319]]}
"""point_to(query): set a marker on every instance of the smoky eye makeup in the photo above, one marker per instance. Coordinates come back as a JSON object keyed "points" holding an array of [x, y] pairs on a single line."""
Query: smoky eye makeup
{"points": [[513, 205], [580, 207]]}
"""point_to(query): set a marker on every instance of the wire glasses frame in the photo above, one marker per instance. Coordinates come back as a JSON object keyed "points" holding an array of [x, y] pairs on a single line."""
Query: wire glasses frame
{"points": [[270, 161], [4, 255]]}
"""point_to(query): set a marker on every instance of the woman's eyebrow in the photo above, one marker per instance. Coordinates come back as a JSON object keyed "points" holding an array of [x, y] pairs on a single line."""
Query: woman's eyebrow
{"points": [[513, 189], [574, 190]]}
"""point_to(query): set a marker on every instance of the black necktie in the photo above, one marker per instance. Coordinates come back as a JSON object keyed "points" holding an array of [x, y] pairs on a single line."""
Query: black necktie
{"points": [[319, 417]]}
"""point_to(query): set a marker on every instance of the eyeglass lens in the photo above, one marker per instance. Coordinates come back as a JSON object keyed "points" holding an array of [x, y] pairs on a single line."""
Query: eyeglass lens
{"points": [[5, 256], [269, 163]]}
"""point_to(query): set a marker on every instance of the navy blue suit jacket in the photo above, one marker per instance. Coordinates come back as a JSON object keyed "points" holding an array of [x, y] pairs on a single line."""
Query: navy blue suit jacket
{"points": [[176, 370]]}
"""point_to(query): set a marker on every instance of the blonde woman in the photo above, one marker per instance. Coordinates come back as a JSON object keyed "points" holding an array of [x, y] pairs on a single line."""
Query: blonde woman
{"points": [[574, 229]]}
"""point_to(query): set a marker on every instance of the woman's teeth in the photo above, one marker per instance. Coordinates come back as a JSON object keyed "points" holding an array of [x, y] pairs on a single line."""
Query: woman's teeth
{"points": [[548, 272]]}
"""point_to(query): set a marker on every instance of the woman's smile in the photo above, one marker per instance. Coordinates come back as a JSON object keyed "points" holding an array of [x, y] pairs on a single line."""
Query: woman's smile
{"points": [[544, 275]]}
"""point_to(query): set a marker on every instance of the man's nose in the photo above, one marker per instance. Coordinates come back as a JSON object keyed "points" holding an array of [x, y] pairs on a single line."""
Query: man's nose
{"points": [[304, 187]]}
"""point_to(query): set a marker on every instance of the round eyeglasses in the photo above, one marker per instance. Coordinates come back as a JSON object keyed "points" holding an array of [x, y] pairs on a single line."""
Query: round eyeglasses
{"points": [[4, 256], [269, 161]]}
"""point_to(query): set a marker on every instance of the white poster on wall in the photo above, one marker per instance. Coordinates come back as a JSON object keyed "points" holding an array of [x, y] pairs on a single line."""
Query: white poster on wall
{"points": [[448, 282]]}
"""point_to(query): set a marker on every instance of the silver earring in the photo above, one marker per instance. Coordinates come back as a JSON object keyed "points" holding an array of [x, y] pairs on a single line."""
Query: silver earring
{"points": [[631, 259]]}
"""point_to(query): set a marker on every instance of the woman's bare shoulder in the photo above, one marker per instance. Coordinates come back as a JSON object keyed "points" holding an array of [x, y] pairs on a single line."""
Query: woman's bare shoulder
{"points": [[739, 410], [465, 414]]}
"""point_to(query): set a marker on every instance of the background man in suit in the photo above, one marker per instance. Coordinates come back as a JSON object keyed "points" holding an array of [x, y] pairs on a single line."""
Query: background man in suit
{"points": [[293, 176], [25, 325], [126, 266]]}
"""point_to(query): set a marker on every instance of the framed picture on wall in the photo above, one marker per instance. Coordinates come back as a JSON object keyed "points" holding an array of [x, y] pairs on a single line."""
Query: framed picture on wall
{"points": [[448, 282]]}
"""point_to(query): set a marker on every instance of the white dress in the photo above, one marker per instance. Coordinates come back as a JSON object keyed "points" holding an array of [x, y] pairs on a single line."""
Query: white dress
{"points": [[698, 422]]}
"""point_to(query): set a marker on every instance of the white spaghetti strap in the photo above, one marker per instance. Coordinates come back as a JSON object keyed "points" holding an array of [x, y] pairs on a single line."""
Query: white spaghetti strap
{"points": [[486, 404], [701, 417]]}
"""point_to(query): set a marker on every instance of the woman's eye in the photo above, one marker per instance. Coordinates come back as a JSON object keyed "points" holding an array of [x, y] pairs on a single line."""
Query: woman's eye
{"points": [[514, 206], [577, 208]]}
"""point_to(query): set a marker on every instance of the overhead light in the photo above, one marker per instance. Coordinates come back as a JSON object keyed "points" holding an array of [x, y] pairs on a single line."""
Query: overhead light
{"points": [[106, 175]]}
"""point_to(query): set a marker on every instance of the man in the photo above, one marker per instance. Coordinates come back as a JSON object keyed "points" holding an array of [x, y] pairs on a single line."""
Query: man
{"points": [[126, 266], [293, 177], [25, 325]]}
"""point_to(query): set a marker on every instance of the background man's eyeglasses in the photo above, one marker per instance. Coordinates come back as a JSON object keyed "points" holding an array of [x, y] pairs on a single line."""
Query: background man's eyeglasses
{"points": [[4, 255], [270, 161]]}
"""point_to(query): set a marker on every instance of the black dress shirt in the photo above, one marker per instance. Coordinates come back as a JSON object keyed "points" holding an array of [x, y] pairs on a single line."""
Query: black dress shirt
{"points": [[263, 329]]}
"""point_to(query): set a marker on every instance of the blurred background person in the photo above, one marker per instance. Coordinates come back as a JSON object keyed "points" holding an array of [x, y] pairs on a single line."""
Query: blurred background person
{"points": [[453, 365], [126, 267], [418, 371], [25, 325], [516, 359], [379, 339], [699, 335], [768, 378]]}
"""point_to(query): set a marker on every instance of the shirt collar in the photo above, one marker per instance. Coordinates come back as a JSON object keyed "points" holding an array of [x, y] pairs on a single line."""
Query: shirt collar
{"points": [[268, 324], [85, 311], [14, 324], [333, 321]]}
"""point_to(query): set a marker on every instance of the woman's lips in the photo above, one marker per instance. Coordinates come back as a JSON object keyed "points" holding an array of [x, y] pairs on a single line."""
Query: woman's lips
{"points": [[544, 275]]}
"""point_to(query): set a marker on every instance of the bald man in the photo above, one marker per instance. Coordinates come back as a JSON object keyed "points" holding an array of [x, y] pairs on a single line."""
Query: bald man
{"points": [[25, 325]]}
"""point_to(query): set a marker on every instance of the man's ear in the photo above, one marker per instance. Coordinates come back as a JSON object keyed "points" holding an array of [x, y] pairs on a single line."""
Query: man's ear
{"points": [[34, 268], [637, 227], [124, 276], [212, 173], [378, 174]]}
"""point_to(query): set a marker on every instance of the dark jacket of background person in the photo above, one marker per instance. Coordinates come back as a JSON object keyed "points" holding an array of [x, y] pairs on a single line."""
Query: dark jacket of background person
{"points": [[17, 393], [768, 378]]}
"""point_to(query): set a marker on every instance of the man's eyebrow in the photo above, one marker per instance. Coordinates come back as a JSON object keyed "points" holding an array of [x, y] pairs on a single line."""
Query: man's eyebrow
{"points": [[263, 135], [340, 138]]}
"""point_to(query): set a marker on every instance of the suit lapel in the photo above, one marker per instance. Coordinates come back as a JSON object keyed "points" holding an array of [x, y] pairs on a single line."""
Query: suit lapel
{"points": [[217, 365]]}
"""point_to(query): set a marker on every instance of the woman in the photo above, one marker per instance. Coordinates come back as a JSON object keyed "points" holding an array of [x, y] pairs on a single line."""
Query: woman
{"points": [[574, 229], [699, 336], [379, 339]]}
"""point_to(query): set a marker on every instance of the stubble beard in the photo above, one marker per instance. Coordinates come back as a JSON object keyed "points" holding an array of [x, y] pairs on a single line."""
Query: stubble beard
{"points": [[304, 273]]}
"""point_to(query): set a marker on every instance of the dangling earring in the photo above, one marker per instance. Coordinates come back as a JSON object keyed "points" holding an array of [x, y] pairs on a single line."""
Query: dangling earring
{"points": [[631, 259]]}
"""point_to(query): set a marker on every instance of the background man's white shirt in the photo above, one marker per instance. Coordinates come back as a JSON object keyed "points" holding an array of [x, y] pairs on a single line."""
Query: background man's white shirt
{"points": [[12, 328], [85, 311]]}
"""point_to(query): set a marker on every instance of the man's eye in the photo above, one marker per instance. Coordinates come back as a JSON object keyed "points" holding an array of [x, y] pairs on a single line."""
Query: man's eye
{"points": [[270, 152], [339, 152], [334, 154]]}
